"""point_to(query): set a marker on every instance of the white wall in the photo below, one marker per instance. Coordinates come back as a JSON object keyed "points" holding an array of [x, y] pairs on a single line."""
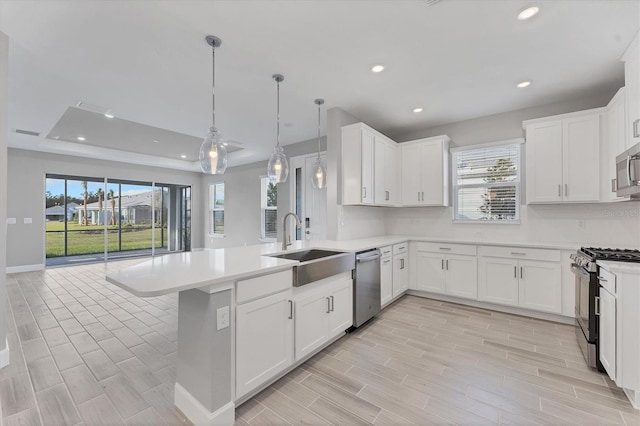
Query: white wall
{"points": [[26, 192], [4, 79], [609, 224]]}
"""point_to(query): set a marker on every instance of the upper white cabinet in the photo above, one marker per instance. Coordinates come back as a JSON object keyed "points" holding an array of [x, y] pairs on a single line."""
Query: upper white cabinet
{"points": [[563, 163], [614, 142], [369, 167], [631, 60], [425, 172]]}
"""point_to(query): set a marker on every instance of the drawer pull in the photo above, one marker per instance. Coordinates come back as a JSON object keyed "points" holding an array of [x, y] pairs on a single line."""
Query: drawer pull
{"points": [[445, 248], [597, 307], [515, 272], [517, 253], [386, 261], [290, 309], [328, 304], [602, 279]]}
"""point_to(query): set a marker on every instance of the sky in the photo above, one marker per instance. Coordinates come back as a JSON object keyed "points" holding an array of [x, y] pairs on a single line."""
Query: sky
{"points": [[74, 188]]}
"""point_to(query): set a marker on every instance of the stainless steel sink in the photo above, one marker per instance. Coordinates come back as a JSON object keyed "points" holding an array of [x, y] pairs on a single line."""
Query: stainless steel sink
{"points": [[317, 264]]}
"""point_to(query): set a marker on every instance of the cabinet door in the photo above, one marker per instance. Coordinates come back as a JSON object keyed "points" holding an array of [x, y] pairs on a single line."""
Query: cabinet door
{"points": [[263, 327], [391, 173], [607, 336], [432, 187], [312, 322], [540, 285], [341, 301], [400, 274], [498, 281], [379, 180], [430, 273], [544, 162], [386, 281], [367, 167], [581, 158], [615, 142], [411, 176], [632, 84], [462, 276]]}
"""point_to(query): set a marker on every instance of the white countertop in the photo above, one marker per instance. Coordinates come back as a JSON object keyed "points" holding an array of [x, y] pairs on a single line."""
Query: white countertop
{"points": [[620, 267], [205, 267]]}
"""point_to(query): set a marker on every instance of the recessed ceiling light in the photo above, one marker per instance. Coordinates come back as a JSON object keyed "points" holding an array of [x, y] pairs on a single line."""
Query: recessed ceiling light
{"points": [[183, 156], [528, 13], [156, 141], [109, 115], [417, 110], [81, 138], [523, 84], [377, 68]]}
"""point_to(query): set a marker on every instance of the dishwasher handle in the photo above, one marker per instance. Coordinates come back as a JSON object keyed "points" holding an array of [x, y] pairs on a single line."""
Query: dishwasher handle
{"points": [[368, 256]]}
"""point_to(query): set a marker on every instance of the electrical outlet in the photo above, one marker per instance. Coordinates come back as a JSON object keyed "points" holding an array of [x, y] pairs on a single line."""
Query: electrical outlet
{"points": [[222, 317], [28, 220], [580, 224]]}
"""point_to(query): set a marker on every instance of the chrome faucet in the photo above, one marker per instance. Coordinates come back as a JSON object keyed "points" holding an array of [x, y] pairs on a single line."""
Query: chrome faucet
{"points": [[285, 237]]}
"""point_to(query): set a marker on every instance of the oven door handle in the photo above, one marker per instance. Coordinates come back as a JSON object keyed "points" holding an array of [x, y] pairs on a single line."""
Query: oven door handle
{"points": [[597, 307]]}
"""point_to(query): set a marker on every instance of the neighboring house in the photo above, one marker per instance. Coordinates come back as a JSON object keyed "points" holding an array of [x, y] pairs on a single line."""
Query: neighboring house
{"points": [[56, 213], [136, 209]]}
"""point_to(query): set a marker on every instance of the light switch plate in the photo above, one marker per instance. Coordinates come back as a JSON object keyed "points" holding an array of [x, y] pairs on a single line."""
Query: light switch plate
{"points": [[28, 220], [11, 221], [222, 317]]}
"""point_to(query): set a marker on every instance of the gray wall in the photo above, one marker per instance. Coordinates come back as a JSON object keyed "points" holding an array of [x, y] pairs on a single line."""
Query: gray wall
{"points": [[4, 129], [26, 192], [242, 199]]}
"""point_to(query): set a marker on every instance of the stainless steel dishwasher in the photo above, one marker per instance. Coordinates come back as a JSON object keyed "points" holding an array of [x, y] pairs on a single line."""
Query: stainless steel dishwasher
{"points": [[366, 286]]}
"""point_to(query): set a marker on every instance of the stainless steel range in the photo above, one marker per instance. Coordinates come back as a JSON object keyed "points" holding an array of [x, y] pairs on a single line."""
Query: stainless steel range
{"points": [[587, 295]]}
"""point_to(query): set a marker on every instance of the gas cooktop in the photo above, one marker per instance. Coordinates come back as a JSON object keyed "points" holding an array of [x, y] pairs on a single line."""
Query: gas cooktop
{"points": [[617, 255]]}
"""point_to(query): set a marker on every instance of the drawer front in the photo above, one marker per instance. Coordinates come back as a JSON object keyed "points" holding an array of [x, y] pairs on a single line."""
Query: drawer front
{"points": [[446, 248], [520, 253], [254, 288], [607, 280], [386, 251], [400, 248]]}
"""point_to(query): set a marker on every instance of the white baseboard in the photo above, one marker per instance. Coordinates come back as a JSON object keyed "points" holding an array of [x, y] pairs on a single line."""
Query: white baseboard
{"points": [[634, 397], [25, 268], [198, 414], [4, 355]]}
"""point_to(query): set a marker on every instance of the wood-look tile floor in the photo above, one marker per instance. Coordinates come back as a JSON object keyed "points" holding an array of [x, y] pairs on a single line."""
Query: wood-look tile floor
{"points": [[86, 352]]}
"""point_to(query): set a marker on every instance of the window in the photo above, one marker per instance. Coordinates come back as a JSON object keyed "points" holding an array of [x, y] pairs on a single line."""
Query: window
{"points": [[269, 209], [216, 208], [486, 184]]}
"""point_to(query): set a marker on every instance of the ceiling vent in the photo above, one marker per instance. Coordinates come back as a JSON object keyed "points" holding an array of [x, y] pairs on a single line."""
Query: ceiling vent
{"points": [[93, 108], [431, 2], [27, 132]]}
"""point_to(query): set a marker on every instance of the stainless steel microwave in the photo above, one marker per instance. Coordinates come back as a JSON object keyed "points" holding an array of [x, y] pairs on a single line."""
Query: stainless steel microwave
{"points": [[628, 173]]}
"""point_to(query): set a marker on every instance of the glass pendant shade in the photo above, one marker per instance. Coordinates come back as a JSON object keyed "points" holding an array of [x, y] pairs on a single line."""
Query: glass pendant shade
{"points": [[278, 167], [213, 153], [319, 174]]}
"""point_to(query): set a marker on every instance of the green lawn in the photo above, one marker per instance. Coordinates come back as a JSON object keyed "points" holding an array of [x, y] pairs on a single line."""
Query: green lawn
{"points": [[90, 239]]}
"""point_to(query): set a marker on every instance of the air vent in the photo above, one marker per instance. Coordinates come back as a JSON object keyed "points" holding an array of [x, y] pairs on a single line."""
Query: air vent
{"points": [[93, 108], [27, 132], [431, 2]]}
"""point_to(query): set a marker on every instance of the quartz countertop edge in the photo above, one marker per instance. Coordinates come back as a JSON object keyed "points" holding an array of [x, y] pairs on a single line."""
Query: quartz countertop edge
{"points": [[199, 268], [620, 267]]}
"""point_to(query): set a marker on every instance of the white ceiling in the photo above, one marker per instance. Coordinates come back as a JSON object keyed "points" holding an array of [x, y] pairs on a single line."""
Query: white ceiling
{"points": [[147, 61]]}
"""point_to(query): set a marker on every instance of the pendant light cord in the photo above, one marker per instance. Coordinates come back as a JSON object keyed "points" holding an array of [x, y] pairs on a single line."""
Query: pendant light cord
{"points": [[278, 116], [213, 87], [318, 130]]}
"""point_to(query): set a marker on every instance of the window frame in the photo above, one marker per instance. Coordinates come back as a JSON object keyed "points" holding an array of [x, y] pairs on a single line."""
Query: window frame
{"points": [[517, 183], [264, 183], [212, 209]]}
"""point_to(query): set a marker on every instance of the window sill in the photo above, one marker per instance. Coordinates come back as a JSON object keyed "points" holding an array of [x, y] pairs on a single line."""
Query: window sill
{"points": [[267, 240], [487, 222], [217, 235]]}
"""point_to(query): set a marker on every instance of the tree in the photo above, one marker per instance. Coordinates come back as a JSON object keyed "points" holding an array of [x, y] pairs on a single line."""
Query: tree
{"points": [[85, 186], [500, 201], [272, 194], [99, 193], [112, 197]]}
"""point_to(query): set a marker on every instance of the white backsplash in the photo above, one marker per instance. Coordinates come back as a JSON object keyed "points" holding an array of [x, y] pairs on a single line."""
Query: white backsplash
{"points": [[608, 224], [361, 222]]}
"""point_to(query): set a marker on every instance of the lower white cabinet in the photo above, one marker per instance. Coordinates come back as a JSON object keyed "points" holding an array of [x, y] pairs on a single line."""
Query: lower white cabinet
{"points": [[607, 332], [386, 279], [447, 269], [504, 277], [400, 273], [323, 311], [264, 340]]}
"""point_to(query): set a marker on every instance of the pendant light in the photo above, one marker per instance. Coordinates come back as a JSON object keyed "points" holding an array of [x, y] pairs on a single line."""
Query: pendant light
{"points": [[278, 168], [213, 153], [319, 170]]}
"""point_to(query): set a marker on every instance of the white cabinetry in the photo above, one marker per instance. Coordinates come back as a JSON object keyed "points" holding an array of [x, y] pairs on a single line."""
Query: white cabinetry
{"points": [[563, 158], [614, 142], [264, 340], [369, 167], [425, 172], [400, 269], [528, 278], [631, 60], [607, 321], [386, 276], [447, 269], [323, 310]]}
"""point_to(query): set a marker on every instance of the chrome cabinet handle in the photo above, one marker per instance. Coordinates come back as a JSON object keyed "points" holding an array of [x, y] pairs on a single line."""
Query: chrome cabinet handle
{"points": [[517, 253], [290, 309], [422, 196], [445, 248], [386, 261], [418, 195], [401, 263], [328, 304], [559, 190], [442, 266], [447, 264], [636, 132], [332, 304], [602, 279], [364, 192], [629, 169], [566, 190], [597, 307], [515, 272], [401, 248], [521, 271]]}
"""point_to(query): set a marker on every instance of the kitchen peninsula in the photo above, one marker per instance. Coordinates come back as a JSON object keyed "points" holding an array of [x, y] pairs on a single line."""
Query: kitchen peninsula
{"points": [[242, 324]]}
